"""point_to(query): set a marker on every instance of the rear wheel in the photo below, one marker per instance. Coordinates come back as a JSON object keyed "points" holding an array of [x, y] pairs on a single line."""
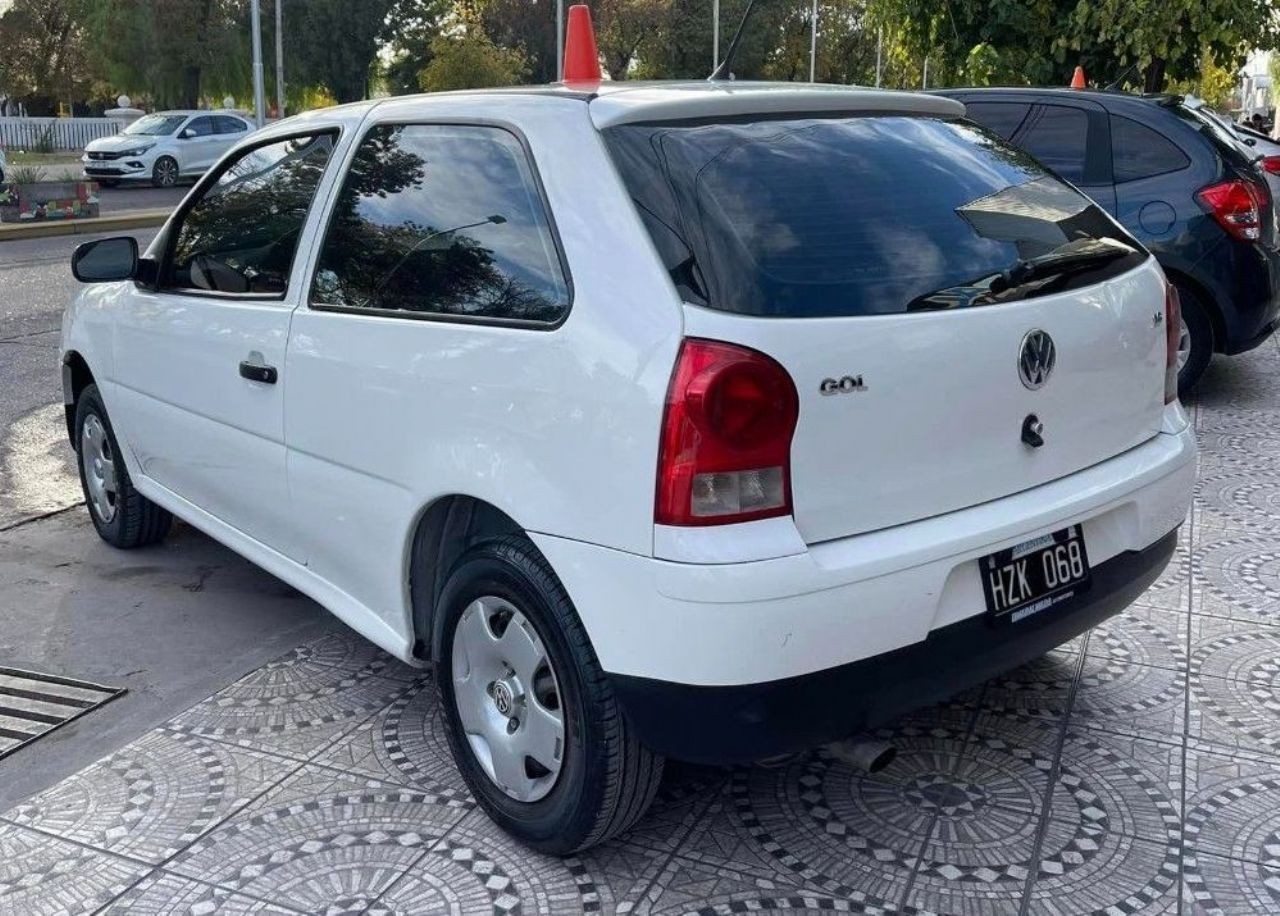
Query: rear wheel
{"points": [[1195, 339], [164, 174], [532, 722], [122, 516]]}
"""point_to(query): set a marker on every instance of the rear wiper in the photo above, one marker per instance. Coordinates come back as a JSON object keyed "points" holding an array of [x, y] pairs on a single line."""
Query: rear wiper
{"points": [[1026, 276]]}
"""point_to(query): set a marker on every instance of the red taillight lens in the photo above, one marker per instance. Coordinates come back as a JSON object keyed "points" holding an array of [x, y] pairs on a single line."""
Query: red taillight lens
{"points": [[725, 454], [1271, 164], [1236, 207], [1173, 332]]}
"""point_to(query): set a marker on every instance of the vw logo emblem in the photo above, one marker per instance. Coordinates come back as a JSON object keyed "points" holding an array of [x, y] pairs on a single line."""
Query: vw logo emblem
{"points": [[502, 698], [1036, 359]]}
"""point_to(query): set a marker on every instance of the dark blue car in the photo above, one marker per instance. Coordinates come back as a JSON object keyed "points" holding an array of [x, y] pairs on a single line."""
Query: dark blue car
{"points": [[1179, 182]]}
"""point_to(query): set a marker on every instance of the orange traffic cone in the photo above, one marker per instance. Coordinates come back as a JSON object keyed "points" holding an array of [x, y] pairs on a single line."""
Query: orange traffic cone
{"points": [[581, 59], [1077, 78]]}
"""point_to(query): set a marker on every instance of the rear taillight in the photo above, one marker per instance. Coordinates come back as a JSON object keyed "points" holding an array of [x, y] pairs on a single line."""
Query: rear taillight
{"points": [[1172, 335], [725, 453], [1270, 164], [1236, 206]]}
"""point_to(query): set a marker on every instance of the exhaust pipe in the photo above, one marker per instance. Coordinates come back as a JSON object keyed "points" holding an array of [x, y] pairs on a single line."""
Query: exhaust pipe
{"points": [[864, 754]]}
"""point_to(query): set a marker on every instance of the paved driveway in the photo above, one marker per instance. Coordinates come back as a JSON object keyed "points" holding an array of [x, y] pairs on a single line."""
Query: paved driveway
{"points": [[1135, 770]]}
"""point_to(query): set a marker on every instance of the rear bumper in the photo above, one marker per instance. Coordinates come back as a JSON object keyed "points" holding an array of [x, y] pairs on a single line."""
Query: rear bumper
{"points": [[738, 724], [689, 643]]}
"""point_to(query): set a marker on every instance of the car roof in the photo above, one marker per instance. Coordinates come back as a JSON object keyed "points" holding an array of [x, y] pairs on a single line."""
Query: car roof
{"points": [[619, 102], [1108, 98]]}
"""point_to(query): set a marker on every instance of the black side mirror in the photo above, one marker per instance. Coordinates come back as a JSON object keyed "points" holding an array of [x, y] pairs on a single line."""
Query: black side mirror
{"points": [[106, 260]]}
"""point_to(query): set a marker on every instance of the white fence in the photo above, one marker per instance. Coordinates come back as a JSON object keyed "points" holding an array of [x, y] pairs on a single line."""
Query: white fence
{"points": [[56, 133]]}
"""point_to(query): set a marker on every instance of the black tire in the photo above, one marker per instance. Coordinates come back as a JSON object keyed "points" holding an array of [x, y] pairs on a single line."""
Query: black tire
{"points": [[136, 520], [164, 174], [1200, 327], [607, 778]]}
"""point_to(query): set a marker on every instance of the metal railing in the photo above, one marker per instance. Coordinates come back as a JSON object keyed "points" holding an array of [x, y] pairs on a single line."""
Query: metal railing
{"points": [[60, 134]]}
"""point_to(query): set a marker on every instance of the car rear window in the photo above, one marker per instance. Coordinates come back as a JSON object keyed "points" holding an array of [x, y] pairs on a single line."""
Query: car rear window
{"points": [[864, 215]]}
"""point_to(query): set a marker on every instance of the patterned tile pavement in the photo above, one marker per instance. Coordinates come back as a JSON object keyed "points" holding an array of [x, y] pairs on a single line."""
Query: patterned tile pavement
{"points": [[1134, 770]]}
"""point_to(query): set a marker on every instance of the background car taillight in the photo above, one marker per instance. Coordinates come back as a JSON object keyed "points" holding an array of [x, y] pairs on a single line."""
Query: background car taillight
{"points": [[1270, 164], [1172, 332], [725, 453], [1237, 207]]}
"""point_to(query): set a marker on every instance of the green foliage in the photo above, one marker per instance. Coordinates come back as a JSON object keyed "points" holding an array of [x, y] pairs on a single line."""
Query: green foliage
{"points": [[43, 53], [25, 174], [172, 52], [332, 44], [1167, 39], [1214, 83], [470, 60]]}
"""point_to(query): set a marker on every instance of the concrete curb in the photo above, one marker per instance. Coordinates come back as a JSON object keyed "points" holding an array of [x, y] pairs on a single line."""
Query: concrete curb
{"points": [[135, 219]]}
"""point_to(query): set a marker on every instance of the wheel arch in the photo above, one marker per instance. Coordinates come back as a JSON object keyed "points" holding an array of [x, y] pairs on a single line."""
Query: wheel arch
{"points": [[1211, 306], [444, 530], [76, 376]]}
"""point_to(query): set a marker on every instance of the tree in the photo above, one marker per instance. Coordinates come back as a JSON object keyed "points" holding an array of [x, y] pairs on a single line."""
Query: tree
{"points": [[528, 26], [334, 44], [470, 60], [1166, 39], [44, 60], [411, 27], [175, 52]]}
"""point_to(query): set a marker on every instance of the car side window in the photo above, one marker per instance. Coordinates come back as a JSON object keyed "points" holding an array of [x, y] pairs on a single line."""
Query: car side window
{"points": [[444, 220], [228, 125], [1137, 151], [1057, 136], [202, 126], [240, 236], [1002, 117]]}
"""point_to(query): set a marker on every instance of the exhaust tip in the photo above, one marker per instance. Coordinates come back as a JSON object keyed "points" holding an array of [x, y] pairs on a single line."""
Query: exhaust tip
{"points": [[866, 755]]}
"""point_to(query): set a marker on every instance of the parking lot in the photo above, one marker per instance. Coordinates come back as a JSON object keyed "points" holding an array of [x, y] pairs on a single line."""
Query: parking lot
{"points": [[1132, 771]]}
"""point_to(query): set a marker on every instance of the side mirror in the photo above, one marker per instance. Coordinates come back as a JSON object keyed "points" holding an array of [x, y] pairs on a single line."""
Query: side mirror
{"points": [[187, 133], [106, 260], [1249, 141]]}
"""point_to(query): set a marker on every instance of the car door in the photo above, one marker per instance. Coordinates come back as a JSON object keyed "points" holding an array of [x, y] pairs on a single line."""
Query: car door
{"points": [[198, 355], [231, 130], [1073, 138], [199, 144], [437, 287]]}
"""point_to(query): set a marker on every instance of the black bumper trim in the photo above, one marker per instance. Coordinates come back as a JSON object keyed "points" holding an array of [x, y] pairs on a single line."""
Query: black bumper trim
{"points": [[741, 723]]}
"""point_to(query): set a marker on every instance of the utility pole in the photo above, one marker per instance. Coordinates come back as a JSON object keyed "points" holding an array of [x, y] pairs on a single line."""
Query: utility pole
{"points": [[879, 48], [259, 99], [924, 83], [715, 35], [813, 45], [560, 39], [279, 60]]}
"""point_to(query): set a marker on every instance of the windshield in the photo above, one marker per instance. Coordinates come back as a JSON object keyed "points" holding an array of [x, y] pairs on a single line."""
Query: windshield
{"points": [[813, 217], [154, 125]]}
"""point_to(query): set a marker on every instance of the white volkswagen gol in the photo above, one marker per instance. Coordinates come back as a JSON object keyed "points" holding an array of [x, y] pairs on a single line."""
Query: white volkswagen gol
{"points": [[702, 421]]}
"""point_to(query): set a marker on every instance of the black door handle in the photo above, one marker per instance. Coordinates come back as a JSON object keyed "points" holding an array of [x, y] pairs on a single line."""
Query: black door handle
{"points": [[257, 373]]}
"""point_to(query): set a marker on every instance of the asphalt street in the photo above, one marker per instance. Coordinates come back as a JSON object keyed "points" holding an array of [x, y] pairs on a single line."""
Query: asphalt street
{"points": [[171, 623], [124, 198], [37, 473]]}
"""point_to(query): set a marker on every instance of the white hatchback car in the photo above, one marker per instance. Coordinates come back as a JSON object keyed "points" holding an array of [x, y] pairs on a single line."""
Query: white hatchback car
{"points": [[705, 421], [165, 147]]}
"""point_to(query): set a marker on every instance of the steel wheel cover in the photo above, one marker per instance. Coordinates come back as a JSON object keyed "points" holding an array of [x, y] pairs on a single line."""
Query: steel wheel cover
{"points": [[508, 698]]}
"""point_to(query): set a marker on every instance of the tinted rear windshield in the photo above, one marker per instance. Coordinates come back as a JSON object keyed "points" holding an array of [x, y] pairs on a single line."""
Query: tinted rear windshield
{"points": [[868, 215]]}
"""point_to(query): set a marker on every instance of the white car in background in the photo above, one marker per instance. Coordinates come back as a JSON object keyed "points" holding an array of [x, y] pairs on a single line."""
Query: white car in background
{"points": [[691, 420], [165, 147]]}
